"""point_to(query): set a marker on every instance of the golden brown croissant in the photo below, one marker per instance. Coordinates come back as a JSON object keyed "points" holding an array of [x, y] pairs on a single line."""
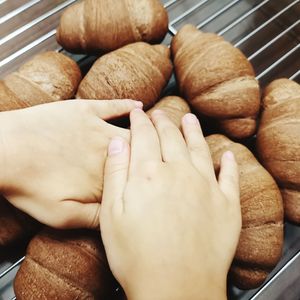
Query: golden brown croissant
{"points": [[278, 141], [174, 107], [137, 71], [48, 77], [105, 25], [261, 239], [65, 265], [217, 80]]}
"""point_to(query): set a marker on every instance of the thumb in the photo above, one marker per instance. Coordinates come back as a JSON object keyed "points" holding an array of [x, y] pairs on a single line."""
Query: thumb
{"points": [[229, 177], [115, 173], [110, 109]]}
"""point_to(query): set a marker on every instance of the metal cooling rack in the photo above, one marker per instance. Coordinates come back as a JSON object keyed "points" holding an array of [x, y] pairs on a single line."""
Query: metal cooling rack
{"points": [[267, 31]]}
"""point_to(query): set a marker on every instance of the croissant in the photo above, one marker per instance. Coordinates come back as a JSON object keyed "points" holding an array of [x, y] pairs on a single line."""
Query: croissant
{"points": [[261, 239], [137, 71], [174, 107], [105, 25], [65, 265], [15, 225], [48, 77], [278, 141], [217, 80]]}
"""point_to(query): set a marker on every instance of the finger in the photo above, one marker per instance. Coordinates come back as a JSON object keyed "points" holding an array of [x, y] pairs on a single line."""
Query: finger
{"points": [[229, 177], [197, 146], [172, 143], [115, 173], [73, 214], [144, 140], [110, 109]]}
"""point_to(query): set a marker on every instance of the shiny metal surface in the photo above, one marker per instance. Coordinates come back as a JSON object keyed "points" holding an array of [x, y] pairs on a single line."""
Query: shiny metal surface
{"points": [[267, 31]]}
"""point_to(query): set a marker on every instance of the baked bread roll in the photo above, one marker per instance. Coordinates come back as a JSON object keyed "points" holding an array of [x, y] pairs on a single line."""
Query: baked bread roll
{"points": [[15, 226], [48, 77], [278, 141], [174, 107], [65, 265], [217, 80], [138, 71], [105, 25], [261, 239]]}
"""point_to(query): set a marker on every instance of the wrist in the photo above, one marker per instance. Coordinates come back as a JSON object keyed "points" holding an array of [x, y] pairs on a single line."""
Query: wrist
{"points": [[193, 289]]}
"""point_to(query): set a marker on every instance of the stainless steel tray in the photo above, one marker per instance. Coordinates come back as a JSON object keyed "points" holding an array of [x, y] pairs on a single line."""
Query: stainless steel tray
{"points": [[267, 31]]}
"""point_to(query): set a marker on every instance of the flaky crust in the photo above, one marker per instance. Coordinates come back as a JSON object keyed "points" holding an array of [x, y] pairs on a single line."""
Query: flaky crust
{"points": [[217, 80], [106, 25], [48, 77], [261, 239], [278, 141], [137, 71], [65, 265]]}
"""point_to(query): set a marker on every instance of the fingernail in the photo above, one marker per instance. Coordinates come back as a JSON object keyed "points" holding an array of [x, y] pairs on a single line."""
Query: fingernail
{"points": [[190, 119], [229, 155], [138, 110], [116, 146], [139, 104]]}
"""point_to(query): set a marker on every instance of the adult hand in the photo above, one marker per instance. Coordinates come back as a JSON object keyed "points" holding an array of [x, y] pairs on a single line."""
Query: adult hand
{"points": [[170, 229], [52, 158]]}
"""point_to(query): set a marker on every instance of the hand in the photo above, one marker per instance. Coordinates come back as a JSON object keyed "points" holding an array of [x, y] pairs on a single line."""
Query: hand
{"points": [[52, 159], [170, 229]]}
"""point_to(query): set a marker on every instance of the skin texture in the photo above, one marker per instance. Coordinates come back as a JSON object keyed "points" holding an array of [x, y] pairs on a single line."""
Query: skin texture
{"points": [[52, 165], [164, 210]]}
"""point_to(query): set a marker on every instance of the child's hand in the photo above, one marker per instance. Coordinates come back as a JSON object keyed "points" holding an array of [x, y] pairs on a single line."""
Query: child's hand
{"points": [[52, 159], [169, 227]]}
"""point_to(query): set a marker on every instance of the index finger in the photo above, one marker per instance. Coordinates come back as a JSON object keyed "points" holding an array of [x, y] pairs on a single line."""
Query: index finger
{"points": [[145, 144]]}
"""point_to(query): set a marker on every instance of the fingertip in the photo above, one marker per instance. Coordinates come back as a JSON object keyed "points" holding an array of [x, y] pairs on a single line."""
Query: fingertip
{"points": [[229, 156], [116, 146], [190, 119]]}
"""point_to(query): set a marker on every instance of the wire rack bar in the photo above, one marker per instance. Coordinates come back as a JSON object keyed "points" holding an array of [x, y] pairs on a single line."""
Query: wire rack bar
{"points": [[188, 12], [273, 40], [27, 47], [219, 12], [35, 21], [11, 267], [295, 75], [277, 62], [245, 38], [18, 10], [170, 3], [243, 17], [2, 1], [14, 298]]}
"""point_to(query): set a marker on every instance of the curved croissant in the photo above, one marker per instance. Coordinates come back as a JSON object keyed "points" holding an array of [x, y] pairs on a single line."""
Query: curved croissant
{"points": [[261, 239], [48, 77], [65, 264], [137, 71], [217, 80], [278, 141], [105, 25]]}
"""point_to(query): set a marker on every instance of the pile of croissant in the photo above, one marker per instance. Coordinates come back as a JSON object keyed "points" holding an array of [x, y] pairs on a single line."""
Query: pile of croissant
{"points": [[215, 80]]}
